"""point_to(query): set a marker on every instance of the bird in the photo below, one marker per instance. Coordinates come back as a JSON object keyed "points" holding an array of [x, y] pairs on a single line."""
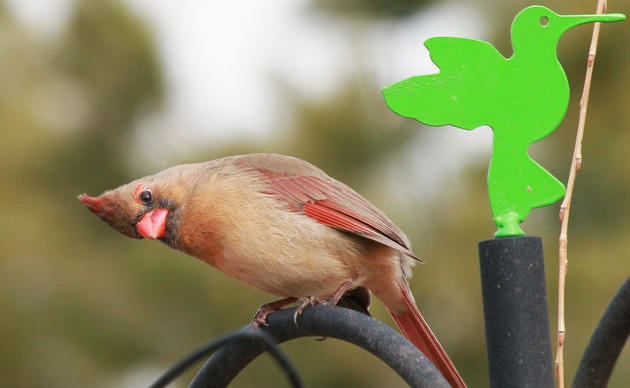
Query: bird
{"points": [[522, 98], [280, 225]]}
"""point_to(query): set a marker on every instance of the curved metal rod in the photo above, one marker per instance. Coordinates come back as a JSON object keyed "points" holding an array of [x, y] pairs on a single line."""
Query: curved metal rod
{"points": [[258, 337], [328, 321], [606, 343]]}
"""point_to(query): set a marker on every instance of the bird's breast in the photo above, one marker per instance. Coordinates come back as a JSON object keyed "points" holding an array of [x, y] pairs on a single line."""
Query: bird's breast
{"points": [[288, 254]]}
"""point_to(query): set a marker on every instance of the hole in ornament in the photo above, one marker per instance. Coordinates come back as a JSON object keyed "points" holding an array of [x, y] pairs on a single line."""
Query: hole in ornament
{"points": [[544, 20]]}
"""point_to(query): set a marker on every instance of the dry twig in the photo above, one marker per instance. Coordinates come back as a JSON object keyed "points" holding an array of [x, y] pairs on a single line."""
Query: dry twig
{"points": [[576, 165]]}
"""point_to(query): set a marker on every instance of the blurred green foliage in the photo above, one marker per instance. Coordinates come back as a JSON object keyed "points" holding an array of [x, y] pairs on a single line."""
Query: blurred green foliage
{"points": [[83, 306]]}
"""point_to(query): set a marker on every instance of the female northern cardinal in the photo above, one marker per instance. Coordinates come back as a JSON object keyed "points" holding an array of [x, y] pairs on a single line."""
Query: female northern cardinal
{"points": [[282, 226]]}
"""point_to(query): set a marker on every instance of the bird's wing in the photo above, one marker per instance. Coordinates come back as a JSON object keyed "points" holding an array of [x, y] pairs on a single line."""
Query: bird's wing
{"points": [[336, 205], [308, 190], [462, 55]]}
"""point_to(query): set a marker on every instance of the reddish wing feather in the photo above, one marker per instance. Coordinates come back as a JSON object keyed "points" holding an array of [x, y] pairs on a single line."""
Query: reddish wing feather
{"points": [[327, 216], [338, 206]]}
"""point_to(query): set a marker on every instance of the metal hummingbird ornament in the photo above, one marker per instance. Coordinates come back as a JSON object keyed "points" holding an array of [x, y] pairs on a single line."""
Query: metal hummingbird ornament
{"points": [[523, 98]]}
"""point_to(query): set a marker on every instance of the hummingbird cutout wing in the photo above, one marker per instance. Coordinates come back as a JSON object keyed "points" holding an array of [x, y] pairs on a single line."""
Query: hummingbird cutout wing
{"points": [[452, 54], [452, 96], [338, 206]]}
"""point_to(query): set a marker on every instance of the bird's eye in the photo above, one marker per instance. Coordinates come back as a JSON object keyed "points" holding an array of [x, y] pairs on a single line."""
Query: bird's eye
{"points": [[146, 196]]}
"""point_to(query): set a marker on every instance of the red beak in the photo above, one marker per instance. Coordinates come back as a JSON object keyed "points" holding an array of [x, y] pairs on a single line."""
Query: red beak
{"points": [[152, 225], [109, 209], [95, 204]]}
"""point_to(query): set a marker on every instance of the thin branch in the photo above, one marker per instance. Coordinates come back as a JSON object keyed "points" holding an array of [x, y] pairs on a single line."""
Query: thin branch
{"points": [[576, 165]]}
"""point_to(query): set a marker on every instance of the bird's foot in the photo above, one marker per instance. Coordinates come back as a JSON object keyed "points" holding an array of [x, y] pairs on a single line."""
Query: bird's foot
{"points": [[302, 303], [306, 301], [260, 318]]}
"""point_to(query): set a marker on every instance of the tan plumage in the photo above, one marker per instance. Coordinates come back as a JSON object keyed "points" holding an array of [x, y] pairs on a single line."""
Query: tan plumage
{"points": [[280, 225]]}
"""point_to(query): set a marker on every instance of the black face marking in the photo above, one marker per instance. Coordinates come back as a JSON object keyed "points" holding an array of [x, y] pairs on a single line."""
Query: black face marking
{"points": [[171, 237], [166, 203]]}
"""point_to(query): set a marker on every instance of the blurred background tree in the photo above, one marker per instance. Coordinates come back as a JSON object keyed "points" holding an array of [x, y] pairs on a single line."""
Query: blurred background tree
{"points": [[82, 306]]}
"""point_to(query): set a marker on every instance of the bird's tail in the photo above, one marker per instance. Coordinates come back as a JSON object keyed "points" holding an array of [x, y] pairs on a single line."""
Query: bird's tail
{"points": [[414, 327]]}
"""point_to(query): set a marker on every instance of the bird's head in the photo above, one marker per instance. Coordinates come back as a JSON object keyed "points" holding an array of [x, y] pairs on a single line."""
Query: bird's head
{"points": [[145, 208], [540, 26]]}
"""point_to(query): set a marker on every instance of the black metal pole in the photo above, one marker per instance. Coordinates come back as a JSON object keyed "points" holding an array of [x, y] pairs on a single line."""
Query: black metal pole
{"points": [[250, 335], [328, 321], [606, 343], [515, 312]]}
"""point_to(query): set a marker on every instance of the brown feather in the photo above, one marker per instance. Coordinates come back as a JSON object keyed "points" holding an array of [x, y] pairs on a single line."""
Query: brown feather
{"points": [[308, 190]]}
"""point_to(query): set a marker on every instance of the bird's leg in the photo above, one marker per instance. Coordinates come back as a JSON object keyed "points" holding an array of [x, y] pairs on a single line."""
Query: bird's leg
{"points": [[345, 286], [260, 318], [314, 300]]}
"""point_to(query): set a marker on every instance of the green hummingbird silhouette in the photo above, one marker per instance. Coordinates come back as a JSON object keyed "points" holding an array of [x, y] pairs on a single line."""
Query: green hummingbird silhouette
{"points": [[522, 98]]}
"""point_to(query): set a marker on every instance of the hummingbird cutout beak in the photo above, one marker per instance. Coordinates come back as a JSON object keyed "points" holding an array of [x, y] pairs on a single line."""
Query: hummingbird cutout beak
{"points": [[570, 21]]}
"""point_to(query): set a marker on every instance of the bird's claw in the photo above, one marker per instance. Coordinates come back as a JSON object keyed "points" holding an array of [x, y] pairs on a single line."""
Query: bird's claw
{"points": [[309, 301], [260, 318]]}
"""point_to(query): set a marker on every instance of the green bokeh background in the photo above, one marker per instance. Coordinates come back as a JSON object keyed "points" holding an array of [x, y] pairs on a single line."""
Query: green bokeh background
{"points": [[82, 306]]}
